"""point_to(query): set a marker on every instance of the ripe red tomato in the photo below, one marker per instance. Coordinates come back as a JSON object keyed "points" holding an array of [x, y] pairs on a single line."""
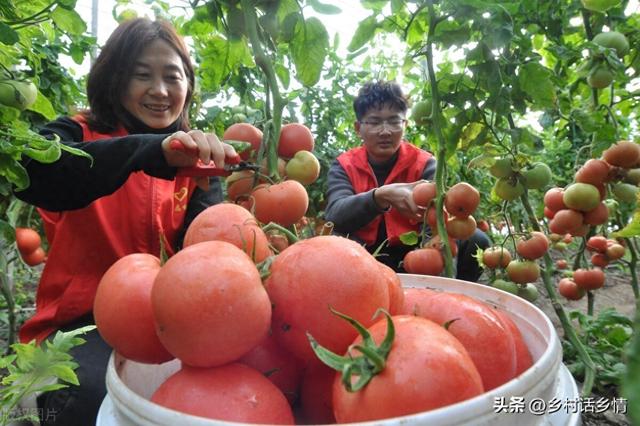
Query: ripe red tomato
{"points": [[461, 200], [553, 200], [425, 261], [27, 240], [315, 274], [432, 217], [597, 243], [202, 298], [483, 225], [533, 247], [570, 290], [600, 260], [496, 256], [278, 365], [523, 356], [122, 309], [423, 193], [294, 137], [594, 172], [561, 264], [396, 292], [284, 203], [597, 216], [623, 154], [247, 133], [489, 342], [233, 392], [316, 404], [34, 258], [523, 271], [589, 279], [233, 224], [566, 221], [423, 354]]}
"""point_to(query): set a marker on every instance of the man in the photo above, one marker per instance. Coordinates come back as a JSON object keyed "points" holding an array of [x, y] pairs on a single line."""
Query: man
{"points": [[370, 187]]}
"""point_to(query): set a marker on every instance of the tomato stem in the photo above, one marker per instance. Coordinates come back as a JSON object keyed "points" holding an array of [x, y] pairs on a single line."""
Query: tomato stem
{"points": [[569, 331], [364, 367]]}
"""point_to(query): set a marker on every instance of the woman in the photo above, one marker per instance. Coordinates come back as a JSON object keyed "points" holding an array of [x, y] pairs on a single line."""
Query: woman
{"points": [[122, 202]]}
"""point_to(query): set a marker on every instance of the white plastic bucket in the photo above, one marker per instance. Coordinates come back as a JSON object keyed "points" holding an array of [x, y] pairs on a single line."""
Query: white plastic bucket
{"points": [[130, 384]]}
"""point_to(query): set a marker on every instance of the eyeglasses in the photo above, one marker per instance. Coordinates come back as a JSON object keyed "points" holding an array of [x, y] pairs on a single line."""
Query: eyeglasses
{"points": [[393, 124]]}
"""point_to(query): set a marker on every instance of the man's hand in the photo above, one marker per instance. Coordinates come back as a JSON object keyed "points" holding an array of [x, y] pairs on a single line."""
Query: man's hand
{"points": [[400, 197]]}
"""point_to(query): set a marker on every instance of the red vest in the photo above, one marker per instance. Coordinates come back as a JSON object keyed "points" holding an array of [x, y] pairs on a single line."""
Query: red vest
{"points": [[84, 243], [408, 168]]}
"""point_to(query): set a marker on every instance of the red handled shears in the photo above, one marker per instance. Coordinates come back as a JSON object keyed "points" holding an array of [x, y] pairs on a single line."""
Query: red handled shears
{"points": [[232, 164]]}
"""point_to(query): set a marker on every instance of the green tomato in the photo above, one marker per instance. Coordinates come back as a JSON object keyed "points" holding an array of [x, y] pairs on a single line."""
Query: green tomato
{"points": [[19, 94], [504, 285], [613, 40], [508, 190], [625, 192], [421, 113], [600, 77], [501, 168], [529, 292], [537, 177]]}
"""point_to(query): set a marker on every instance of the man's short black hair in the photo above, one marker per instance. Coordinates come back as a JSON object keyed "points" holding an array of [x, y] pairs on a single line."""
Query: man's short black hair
{"points": [[376, 94]]}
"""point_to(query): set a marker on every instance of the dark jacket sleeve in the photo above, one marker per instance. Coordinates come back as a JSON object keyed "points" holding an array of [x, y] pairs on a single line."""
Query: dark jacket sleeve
{"points": [[350, 211], [74, 182]]}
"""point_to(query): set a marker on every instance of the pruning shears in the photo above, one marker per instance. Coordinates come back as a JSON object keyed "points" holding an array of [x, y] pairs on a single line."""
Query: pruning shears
{"points": [[232, 164]]}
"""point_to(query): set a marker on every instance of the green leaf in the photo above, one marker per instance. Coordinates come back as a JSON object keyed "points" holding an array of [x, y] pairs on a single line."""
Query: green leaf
{"points": [[48, 155], [8, 235], [8, 35], [43, 107], [364, 33], [410, 238], [535, 80], [309, 49], [631, 230], [14, 172], [64, 373], [327, 9], [68, 21]]}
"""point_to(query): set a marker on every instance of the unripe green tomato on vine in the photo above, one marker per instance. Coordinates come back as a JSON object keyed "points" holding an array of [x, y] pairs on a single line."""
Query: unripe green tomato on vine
{"points": [[19, 94], [600, 77], [614, 40]]}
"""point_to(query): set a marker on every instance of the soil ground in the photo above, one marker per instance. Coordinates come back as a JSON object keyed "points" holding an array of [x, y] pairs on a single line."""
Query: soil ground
{"points": [[617, 293]]}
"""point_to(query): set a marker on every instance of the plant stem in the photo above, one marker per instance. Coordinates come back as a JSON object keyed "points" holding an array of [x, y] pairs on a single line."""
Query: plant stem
{"points": [[274, 226], [569, 331], [7, 293], [633, 264], [265, 64], [441, 154]]}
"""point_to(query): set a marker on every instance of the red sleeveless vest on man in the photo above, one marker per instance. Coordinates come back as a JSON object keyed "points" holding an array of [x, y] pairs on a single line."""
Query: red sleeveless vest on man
{"points": [[84, 243], [408, 168]]}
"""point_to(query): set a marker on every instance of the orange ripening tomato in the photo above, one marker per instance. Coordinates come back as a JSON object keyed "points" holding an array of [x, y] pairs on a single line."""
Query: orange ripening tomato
{"points": [[425, 261], [316, 274], [122, 309], [233, 392], [423, 354], [34, 258], [496, 256], [461, 200], [27, 240], [202, 298], [533, 247], [589, 279], [475, 324], [284, 203], [423, 193]]}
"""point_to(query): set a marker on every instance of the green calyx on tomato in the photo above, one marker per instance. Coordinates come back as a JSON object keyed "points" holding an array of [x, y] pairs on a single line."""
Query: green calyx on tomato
{"points": [[364, 367], [19, 94]]}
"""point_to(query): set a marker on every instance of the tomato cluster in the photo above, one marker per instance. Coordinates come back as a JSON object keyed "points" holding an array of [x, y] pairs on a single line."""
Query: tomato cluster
{"points": [[235, 333], [460, 201], [30, 246]]}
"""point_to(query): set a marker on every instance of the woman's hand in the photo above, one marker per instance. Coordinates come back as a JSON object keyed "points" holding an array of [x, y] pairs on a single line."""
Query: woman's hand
{"points": [[198, 145], [400, 197]]}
